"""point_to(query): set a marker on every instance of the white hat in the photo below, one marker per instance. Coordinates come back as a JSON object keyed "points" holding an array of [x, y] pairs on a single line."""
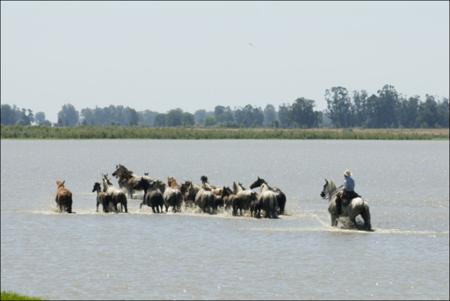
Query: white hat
{"points": [[347, 173]]}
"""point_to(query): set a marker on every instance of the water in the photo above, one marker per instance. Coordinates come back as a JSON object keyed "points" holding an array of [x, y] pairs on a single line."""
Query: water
{"points": [[141, 255]]}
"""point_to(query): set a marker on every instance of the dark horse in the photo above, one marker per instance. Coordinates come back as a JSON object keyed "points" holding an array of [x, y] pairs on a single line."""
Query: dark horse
{"points": [[189, 192], [153, 197], [63, 197], [103, 198], [281, 197]]}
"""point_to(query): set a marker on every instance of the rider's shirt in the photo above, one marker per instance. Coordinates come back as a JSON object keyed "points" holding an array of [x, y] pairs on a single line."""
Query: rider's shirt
{"points": [[349, 184]]}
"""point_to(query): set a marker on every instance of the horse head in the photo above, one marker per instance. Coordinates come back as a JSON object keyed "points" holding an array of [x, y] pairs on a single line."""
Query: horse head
{"points": [[329, 188], [235, 188], [253, 196], [106, 180], [171, 182], [96, 187], [257, 183], [226, 191], [60, 184], [121, 171], [204, 179], [185, 186]]}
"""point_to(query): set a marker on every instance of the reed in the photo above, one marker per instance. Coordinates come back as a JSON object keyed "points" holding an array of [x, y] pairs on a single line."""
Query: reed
{"points": [[6, 295], [118, 132]]}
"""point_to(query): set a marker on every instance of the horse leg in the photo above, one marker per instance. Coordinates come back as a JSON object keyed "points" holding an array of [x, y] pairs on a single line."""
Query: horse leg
{"points": [[366, 216], [333, 220]]}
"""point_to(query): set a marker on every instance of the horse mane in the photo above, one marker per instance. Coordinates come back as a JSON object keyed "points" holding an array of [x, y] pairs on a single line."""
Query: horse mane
{"points": [[123, 172], [237, 187], [331, 187], [265, 187]]}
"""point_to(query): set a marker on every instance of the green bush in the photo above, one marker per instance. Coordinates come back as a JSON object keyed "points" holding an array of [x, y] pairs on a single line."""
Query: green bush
{"points": [[13, 296]]}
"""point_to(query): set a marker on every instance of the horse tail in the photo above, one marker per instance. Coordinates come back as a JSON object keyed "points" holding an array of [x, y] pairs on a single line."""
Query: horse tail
{"points": [[281, 200]]}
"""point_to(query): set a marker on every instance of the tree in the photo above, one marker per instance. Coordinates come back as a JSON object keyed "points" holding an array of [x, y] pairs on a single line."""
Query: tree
{"points": [[68, 116], [223, 116], [199, 117], [339, 107], [249, 116], [284, 115], [174, 117], [160, 120], [40, 119], [210, 120], [409, 111], [389, 105], [302, 113], [270, 116], [188, 119], [428, 111], [443, 113], [131, 116], [8, 115], [360, 107], [147, 118]]}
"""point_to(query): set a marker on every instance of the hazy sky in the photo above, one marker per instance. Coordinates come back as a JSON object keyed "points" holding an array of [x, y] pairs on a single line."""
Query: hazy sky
{"points": [[193, 55]]}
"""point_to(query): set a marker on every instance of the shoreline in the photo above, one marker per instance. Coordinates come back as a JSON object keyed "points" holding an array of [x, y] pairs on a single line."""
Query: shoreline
{"points": [[194, 133]]}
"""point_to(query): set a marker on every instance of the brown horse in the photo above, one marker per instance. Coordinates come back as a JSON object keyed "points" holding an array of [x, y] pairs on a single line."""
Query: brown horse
{"points": [[63, 197], [172, 195]]}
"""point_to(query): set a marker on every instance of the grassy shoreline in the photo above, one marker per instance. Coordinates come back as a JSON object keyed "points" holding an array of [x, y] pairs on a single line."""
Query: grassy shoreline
{"points": [[6, 295], [117, 132]]}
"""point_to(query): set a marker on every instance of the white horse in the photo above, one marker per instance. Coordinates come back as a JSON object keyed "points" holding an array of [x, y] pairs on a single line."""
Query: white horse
{"points": [[242, 198], [118, 196], [357, 206], [267, 200]]}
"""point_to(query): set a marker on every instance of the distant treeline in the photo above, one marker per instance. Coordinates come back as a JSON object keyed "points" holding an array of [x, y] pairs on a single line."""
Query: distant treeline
{"points": [[386, 109]]}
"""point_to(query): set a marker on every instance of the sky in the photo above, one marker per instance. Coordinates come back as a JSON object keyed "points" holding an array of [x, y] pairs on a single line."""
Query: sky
{"points": [[196, 55]]}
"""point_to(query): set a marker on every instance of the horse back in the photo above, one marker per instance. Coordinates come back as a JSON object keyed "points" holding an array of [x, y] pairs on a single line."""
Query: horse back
{"points": [[64, 194]]}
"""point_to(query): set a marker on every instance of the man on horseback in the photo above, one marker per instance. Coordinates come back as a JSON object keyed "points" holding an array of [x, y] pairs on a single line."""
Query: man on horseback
{"points": [[348, 194], [205, 184]]}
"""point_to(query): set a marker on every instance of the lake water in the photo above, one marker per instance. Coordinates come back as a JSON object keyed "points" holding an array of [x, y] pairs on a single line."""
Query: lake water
{"points": [[190, 255]]}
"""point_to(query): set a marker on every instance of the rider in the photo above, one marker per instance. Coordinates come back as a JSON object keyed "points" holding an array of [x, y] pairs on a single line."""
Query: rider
{"points": [[348, 193], [205, 184]]}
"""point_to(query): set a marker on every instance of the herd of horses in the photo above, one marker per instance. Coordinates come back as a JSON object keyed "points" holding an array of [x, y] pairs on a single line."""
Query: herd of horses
{"points": [[162, 196]]}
